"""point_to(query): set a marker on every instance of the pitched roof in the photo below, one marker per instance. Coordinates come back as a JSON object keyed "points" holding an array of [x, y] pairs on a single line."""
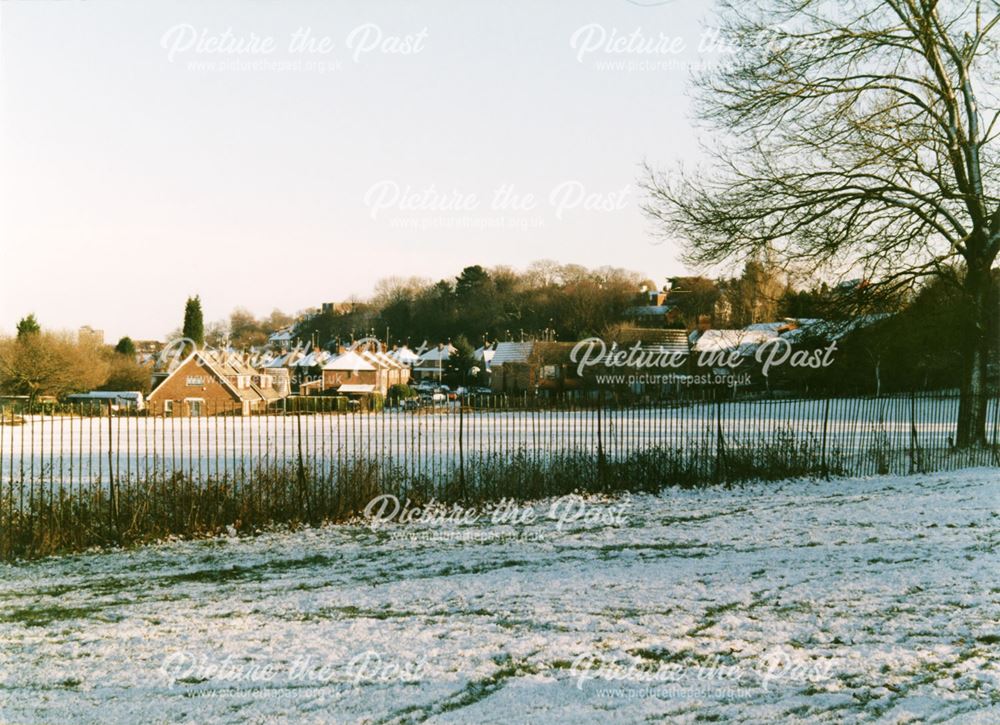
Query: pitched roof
{"points": [[234, 365], [437, 353], [434, 359], [653, 339], [745, 341], [380, 360], [224, 368], [831, 329], [282, 335], [316, 357], [349, 360], [207, 363], [513, 352], [551, 353], [767, 326], [404, 355]]}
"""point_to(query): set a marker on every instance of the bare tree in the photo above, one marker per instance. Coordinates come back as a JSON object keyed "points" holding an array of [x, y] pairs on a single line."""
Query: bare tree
{"points": [[49, 364], [855, 134]]}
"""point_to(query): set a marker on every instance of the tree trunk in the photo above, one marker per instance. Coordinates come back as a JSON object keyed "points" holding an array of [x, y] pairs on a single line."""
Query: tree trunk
{"points": [[974, 393]]}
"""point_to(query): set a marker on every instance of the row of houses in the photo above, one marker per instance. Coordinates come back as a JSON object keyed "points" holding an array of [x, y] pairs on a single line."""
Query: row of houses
{"points": [[703, 356], [227, 382], [551, 366], [224, 382]]}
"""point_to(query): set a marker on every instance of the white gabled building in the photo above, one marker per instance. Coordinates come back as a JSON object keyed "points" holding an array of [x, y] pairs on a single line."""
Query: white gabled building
{"points": [[433, 361], [282, 338], [359, 372]]}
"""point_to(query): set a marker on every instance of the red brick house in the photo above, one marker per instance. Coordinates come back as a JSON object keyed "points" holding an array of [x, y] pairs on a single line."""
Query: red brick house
{"points": [[363, 372], [210, 384]]}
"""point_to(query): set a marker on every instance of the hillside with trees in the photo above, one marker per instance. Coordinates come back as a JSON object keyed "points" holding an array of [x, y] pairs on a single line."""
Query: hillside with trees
{"points": [[548, 299]]}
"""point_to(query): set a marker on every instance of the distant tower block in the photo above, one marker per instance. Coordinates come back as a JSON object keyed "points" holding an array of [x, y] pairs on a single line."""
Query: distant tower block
{"points": [[89, 336]]}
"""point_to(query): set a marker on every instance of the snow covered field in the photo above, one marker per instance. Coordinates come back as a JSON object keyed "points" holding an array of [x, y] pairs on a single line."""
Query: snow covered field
{"points": [[831, 601], [71, 451]]}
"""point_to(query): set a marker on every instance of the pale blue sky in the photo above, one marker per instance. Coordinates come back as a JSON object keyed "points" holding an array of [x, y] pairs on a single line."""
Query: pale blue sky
{"points": [[135, 172]]}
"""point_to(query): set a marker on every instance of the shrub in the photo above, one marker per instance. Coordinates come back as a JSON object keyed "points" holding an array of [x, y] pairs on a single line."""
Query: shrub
{"points": [[400, 391]]}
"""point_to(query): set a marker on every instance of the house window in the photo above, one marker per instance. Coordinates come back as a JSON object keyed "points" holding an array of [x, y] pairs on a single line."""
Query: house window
{"points": [[195, 407], [168, 407], [195, 380]]}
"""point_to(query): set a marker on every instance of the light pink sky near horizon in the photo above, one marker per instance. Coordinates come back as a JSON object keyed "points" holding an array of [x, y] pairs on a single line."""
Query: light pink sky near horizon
{"points": [[136, 172]]}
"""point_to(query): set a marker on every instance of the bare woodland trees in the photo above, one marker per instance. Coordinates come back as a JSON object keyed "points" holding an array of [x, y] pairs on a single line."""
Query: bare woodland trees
{"points": [[855, 135], [43, 363]]}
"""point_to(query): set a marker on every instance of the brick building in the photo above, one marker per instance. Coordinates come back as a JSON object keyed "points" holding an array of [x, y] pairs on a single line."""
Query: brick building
{"points": [[360, 372], [531, 366], [210, 384]]}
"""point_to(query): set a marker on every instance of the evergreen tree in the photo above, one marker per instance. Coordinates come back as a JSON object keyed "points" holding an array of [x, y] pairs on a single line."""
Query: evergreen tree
{"points": [[194, 325], [460, 362], [125, 346], [27, 326]]}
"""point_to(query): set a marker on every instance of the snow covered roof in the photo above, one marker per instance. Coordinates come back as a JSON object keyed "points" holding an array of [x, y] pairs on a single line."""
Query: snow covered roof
{"points": [[437, 353], [404, 355], [355, 388], [511, 352], [832, 329], [349, 360], [381, 359], [746, 341], [485, 354], [313, 359], [282, 335], [223, 368], [766, 326], [434, 359]]}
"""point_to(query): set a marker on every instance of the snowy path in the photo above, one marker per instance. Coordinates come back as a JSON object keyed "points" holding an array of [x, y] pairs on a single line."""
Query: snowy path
{"points": [[841, 601]]}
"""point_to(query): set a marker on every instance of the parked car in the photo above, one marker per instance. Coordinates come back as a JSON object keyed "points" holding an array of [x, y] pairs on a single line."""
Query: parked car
{"points": [[438, 398]]}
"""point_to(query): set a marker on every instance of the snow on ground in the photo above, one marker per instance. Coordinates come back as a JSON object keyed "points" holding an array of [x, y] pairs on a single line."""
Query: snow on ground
{"points": [[74, 450], [831, 601]]}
